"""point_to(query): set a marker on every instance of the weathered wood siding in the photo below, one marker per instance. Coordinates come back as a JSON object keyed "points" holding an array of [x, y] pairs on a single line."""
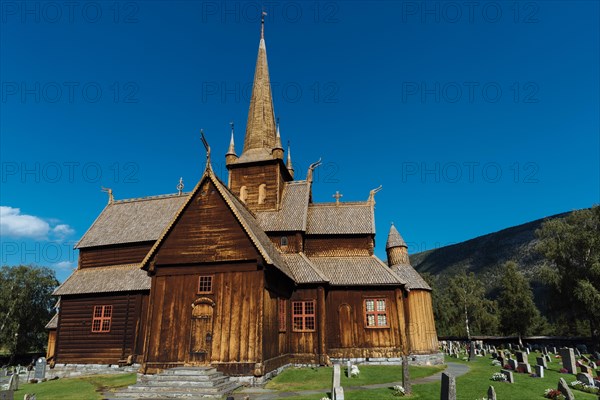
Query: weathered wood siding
{"points": [[51, 344], [236, 323], [113, 255], [76, 343], [294, 239], [326, 245], [304, 345], [347, 333], [207, 231], [421, 325], [252, 176]]}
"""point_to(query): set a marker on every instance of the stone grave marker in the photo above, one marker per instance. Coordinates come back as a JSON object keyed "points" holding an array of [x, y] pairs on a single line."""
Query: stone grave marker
{"points": [[524, 367], [7, 395], [585, 369], [502, 361], [568, 360], [577, 352], [548, 358], [30, 396], [448, 387], [527, 350], [512, 363], [585, 379], [349, 367], [522, 357], [338, 393], [510, 346], [565, 390], [491, 394], [541, 361], [509, 375], [593, 365], [545, 350], [554, 350], [13, 383], [539, 371], [336, 376], [40, 368], [472, 351]]}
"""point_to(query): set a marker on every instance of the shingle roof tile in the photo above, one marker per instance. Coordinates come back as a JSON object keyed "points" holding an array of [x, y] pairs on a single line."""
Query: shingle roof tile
{"points": [[115, 278], [411, 277], [356, 271], [339, 219], [293, 213]]}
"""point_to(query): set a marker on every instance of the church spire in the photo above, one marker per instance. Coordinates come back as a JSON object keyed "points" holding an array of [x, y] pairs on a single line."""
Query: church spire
{"points": [[231, 157], [260, 129], [396, 248], [289, 165], [278, 149]]}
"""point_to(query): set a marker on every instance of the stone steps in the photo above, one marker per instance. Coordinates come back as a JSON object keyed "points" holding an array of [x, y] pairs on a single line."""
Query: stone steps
{"points": [[179, 383]]}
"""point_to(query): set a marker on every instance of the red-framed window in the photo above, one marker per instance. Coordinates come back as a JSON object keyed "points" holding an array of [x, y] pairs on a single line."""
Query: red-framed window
{"points": [[376, 313], [101, 319], [303, 316], [282, 315], [205, 284]]}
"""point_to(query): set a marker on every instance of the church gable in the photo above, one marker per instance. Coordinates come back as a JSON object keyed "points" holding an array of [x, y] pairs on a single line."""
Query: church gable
{"points": [[205, 231]]}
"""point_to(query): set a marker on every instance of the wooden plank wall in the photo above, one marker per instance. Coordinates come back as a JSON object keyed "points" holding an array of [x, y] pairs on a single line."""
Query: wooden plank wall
{"points": [[207, 231], [421, 325], [347, 334], [295, 242], [252, 177], [113, 255], [304, 343], [237, 316], [75, 340], [332, 246]]}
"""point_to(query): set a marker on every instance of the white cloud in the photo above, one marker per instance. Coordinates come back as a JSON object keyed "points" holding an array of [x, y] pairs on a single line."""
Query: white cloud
{"points": [[64, 265], [17, 225]]}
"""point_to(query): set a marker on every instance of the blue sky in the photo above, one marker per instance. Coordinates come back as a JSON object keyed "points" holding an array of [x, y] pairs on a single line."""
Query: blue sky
{"points": [[473, 116]]}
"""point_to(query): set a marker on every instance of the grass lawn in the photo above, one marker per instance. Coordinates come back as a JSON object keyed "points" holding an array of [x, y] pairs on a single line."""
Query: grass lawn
{"points": [[294, 379], [470, 386], [86, 388]]}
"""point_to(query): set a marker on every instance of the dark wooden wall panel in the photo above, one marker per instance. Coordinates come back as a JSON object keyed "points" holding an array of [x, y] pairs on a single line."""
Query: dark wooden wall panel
{"points": [[77, 343], [255, 175], [327, 245], [113, 255], [207, 231]]}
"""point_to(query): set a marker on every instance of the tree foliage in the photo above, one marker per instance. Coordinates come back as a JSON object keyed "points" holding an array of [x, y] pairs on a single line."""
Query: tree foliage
{"points": [[25, 307], [518, 313], [571, 245]]}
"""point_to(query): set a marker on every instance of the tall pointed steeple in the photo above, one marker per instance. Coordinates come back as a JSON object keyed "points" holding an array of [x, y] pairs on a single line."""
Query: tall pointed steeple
{"points": [[396, 248], [278, 149], [260, 129], [231, 157], [289, 165]]}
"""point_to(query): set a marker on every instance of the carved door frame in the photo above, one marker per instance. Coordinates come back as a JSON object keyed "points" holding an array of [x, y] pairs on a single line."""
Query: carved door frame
{"points": [[201, 331]]}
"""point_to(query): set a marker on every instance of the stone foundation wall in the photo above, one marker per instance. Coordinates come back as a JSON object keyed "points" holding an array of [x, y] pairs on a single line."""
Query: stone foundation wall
{"points": [[414, 359], [73, 370]]}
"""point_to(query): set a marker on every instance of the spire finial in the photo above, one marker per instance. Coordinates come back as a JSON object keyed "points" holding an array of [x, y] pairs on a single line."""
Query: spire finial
{"points": [[289, 157], [262, 24], [111, 198], [180, 186], [337, 196], [207, 147]]}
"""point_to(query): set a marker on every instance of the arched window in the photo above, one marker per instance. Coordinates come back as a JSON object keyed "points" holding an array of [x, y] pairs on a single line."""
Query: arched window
{"points": [[284, 241], [243, 193], [262, 193]]}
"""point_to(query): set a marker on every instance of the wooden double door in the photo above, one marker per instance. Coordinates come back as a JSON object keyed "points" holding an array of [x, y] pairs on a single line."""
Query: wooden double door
{"points": [[201, 332]]}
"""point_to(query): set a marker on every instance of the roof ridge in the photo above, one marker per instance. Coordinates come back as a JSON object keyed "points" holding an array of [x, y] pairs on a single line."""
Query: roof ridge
{"points": [[154, 197], [342, 204], [313, 266]]}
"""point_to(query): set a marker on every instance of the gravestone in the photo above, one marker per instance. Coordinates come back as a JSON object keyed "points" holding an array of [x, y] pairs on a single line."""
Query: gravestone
{"points": [[554, 350], [338, 393], [349, 367], [548, 358], [448, 387], [13, 383], [585, 379], [577, 352], [491, 395], [565, 390], [585, 369], [7, 395], [336, 376], [545, 351], [512, 363], [510, 346], [29, 396], [522, 357], [593, 365], [509, 375], [527, 350], [568, 360], [524, 368], [502, 361], [40, 368], [483, 352], [472, 351], [541, 361], [539, 371]]}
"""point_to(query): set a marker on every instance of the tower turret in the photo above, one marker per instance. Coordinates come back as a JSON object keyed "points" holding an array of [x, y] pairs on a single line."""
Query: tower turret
{"points": [[231, 157], [278, 149], [396, 248]]}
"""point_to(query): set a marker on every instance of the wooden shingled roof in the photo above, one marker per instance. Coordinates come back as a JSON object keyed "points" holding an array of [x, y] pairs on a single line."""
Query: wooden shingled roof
{"points": [[53, 323], [412, 278], [342, 218], [114, 278], [294, 209], [130, 221], [356, 271]]}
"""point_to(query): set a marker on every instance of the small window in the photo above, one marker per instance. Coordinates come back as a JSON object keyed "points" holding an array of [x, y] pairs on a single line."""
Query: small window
{"points": [[282, 315], [101, 319], [262, 193], [284, 241], [205, 284], [303, 316], [243, 194], [376, 313]]}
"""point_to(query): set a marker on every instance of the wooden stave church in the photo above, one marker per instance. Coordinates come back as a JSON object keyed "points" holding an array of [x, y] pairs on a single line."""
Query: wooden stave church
{"points": [[266, 279]]}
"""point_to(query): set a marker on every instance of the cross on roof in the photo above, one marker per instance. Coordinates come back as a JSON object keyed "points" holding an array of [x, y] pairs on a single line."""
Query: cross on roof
{"points": [[337, 196]]}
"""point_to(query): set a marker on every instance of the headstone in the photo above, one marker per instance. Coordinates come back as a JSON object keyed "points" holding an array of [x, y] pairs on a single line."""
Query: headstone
{"points": [[527, 350], [539, 371], [593, 365], [577, 352], [541, 361], [349, 367], [522, 357], [502, 361], [510, 346], [13, 383], [545, 351], [336, 377], [30, 396], [585, 369], [585, 379], [512, 363], [472, 351], [491, 395], [568, 360], [448, 387], [554, 350], [509, 375], [548, 358], [565, 390], [7, 395], [524, 368], [40, 368], [484, 352], [338, 393]]}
